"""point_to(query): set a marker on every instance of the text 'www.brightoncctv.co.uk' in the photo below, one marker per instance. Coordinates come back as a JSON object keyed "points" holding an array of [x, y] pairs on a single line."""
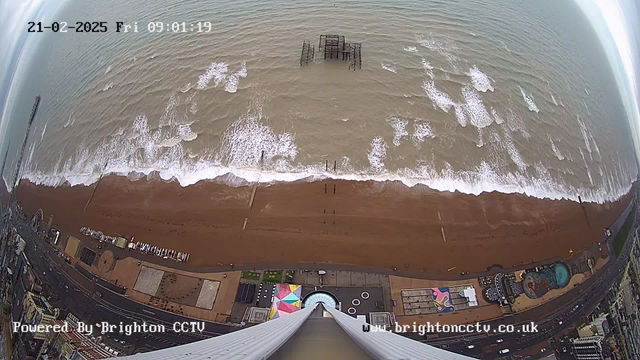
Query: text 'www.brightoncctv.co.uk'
{"points": [[431, 328]]}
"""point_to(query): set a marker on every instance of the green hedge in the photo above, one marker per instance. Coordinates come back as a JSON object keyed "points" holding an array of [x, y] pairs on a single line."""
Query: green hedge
{"points": [[251, 275]]}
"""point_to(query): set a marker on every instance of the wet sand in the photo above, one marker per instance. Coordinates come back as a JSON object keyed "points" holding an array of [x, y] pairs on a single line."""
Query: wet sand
{"points": [[364, 223]]}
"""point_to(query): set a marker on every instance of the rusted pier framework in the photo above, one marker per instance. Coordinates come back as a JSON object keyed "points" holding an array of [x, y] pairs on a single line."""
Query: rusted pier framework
{"points": [[308, 53], [334, 47]]}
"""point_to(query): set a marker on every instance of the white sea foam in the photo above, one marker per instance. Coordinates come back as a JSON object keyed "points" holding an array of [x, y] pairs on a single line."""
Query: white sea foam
{"points": [[427, 68], [411, 49], [421, 131], [216, 71], [528, 98], [444, 47], [388, 67], [585, 134], [586, 107], [595, 145], [69, 122], [554, 99], [478, 115], [586, 166], [193, 108], [461, 115], [479, 79], [514, 154], [426, 65], [399, 129], [439, 98], [43, 131], [108, 69], [186, 88], [107, 87], [244, 141], [555, 150], [30, 157], [139, 150], [231, 84], [185, 133], [377, 154], [482, 178], [496, 116], [6, 184], [515, 123], [480, 142]]}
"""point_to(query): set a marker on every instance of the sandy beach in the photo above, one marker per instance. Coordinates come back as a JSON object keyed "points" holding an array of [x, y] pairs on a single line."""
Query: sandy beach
{"points": [[363, 223]]}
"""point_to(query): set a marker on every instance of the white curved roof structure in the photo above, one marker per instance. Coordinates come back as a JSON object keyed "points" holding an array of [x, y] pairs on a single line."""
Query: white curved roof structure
{"points": [[264, 340]]}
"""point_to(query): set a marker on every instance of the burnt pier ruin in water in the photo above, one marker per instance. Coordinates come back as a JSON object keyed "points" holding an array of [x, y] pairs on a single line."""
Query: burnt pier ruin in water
{"points": [[333, 47]]}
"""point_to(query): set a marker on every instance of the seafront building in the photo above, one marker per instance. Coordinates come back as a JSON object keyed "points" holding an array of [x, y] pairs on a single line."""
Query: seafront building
{"points": [[37, 311], [588, 348], [72, 345]]}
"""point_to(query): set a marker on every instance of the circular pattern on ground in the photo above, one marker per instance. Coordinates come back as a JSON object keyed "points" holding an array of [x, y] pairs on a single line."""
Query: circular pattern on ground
{"points": [[351, 311], [320, 297], [106, 261], [562, 274], [173, 289], [355, 302], [364, 295]]}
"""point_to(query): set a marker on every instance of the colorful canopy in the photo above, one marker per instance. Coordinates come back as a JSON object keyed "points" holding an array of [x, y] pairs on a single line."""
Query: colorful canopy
{"points": [[286, 300]]}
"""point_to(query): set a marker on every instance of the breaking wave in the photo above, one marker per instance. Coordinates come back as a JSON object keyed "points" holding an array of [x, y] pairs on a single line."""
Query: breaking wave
{"points": [[421, 131], [480, 80], [399, 129], [69, 122], [555, 150], [585, 135], [474, 107], [427, 68], [388, 67], [528, 98], [218, 72], [44, 130], [377, 154], [250, 150], [442, 46], [439, 98]]}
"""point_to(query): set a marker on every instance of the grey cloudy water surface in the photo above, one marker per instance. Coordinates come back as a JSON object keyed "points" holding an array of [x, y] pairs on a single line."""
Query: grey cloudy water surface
{"points": [[514, 96]]}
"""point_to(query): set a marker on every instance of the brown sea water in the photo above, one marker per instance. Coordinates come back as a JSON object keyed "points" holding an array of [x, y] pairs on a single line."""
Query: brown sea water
{"points": [[514, 96]]}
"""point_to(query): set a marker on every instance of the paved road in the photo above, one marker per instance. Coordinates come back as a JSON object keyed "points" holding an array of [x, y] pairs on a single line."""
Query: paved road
{"points": [[78, 294]]}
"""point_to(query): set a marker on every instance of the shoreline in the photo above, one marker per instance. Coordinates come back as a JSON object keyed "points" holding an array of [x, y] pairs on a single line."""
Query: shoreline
{"points": [[470, 184], [381, 225]]}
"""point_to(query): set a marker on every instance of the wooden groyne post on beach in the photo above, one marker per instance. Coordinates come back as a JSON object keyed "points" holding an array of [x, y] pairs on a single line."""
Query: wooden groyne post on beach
{"points": [[255, 188], [255, 185], [34, 110], [584, 211], [93, 192]]}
